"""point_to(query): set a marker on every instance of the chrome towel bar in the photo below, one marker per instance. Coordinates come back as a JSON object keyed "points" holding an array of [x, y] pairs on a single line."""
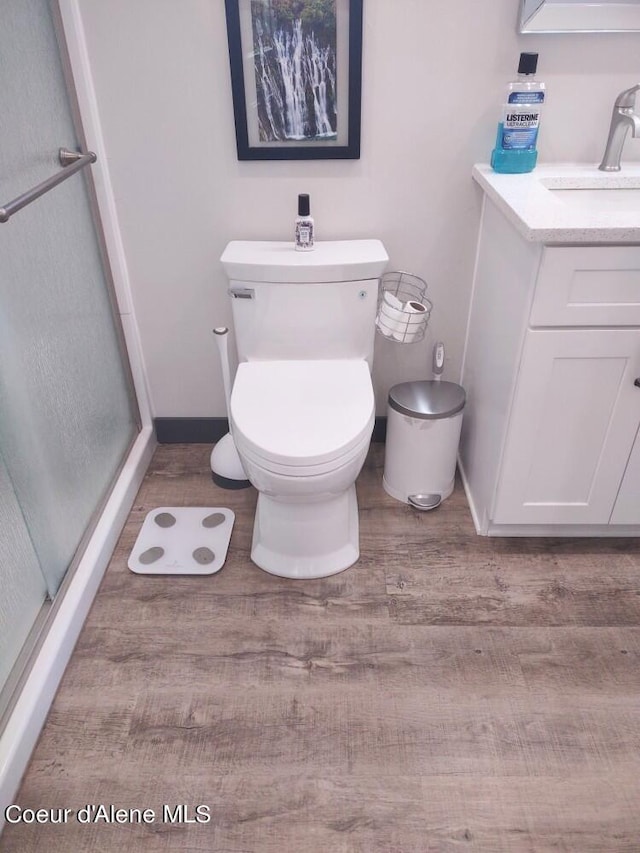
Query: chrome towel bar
{"points": [[71, 161]]}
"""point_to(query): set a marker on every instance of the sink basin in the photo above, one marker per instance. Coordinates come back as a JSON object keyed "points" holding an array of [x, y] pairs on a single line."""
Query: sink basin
{"points": [[600, 199], [568, 202]]}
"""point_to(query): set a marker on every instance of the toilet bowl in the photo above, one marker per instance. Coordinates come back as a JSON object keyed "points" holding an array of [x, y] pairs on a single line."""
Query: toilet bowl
{"points": [[302, 429], [302, 404]]}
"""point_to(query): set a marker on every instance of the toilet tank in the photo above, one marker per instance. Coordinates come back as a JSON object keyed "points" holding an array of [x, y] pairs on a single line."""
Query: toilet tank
{"points": [[304, 305]]}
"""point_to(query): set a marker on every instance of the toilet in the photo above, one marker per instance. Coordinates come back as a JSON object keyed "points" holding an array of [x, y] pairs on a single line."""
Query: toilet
{"points": [[302, 406]]}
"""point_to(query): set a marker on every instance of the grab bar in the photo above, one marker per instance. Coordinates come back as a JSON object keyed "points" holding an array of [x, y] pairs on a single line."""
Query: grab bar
{"points": [[71, 161]]}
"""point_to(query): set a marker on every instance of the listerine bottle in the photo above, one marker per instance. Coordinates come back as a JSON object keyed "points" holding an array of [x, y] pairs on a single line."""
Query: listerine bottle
{"points": [[517, 135]]}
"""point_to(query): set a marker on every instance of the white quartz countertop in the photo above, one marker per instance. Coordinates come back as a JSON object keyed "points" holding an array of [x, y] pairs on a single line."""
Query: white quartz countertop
{"points": [[541, 215]]}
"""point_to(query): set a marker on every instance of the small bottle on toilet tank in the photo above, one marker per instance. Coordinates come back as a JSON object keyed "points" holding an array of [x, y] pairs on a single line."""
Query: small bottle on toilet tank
{"points": [[304, 224]]}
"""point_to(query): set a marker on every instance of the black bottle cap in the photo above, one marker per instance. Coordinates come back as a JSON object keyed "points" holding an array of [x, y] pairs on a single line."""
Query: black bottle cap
{"points": [[528, 63], [304, 205]]}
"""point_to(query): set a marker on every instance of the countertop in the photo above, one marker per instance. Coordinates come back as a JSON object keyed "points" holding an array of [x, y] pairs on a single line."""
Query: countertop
{"points": [[542, 217]]}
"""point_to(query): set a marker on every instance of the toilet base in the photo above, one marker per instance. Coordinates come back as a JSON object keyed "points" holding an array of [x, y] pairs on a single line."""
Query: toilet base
{"points": [[306, 540]]}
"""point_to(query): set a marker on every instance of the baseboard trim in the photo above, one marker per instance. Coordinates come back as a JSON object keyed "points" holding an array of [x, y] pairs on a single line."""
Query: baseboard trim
{"points": [[380, 429], [190, 430], [210, 430]]}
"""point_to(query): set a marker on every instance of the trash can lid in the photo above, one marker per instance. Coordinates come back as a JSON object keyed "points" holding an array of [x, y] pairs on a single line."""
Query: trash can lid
{"points": [[428, 399]]}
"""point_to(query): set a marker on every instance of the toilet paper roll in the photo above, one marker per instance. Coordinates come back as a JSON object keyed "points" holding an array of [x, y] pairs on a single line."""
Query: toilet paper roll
{"points": [[412, 323], [390, 315]]}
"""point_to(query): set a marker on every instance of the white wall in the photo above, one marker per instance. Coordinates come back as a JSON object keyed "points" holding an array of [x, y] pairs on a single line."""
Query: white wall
{"points": [[433, 76]]}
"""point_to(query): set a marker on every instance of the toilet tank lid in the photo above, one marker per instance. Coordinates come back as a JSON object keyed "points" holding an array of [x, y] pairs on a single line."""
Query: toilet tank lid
{"points": [[337, 260]]}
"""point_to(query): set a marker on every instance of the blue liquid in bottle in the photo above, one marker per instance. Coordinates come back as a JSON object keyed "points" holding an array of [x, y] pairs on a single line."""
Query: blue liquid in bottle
{"points": [[512, 161]]}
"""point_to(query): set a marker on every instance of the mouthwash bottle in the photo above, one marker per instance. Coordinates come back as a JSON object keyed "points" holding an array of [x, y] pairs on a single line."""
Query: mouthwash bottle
{"points": [[515, 150]]}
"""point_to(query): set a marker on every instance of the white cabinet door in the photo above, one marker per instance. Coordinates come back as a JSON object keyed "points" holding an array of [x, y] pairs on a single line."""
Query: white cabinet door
{"points": [[573, 422], [627, 506]]}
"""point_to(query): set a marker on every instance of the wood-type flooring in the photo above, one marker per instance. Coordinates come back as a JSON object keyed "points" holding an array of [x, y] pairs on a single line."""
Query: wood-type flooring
{"points": [[448, 693]]}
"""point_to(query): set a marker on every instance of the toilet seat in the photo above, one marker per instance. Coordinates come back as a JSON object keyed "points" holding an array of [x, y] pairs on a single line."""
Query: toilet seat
{"points": [[302, 417]]}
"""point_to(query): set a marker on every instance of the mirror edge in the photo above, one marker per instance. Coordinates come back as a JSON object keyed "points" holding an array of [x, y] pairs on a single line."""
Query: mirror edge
{"points": [[543, 16]]}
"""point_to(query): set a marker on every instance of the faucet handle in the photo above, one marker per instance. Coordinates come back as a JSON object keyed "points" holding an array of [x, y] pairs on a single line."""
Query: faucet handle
{"points": [[627, 99]]}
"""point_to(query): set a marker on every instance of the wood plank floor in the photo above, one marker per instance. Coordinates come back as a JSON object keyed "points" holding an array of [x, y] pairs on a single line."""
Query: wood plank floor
{"points": [[447, 693]]}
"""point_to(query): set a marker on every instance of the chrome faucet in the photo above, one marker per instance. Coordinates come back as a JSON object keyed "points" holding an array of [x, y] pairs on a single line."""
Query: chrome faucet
{"points": [[622, 118]]}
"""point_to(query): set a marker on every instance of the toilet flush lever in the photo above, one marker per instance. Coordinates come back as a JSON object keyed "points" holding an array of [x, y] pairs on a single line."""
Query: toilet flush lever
{"points": [[637, 382], [242, 292]]}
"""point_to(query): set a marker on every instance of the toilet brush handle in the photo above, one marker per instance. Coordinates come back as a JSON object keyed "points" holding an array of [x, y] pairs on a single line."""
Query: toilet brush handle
{"points": [[437, 362], [221, 334]]}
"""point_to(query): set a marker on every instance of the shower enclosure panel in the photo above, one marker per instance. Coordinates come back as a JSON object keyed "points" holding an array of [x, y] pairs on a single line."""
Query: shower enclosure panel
{"points": [[67, 411]]}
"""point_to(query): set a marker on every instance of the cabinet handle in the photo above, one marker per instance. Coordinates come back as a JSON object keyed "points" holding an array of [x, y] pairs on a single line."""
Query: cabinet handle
{"points": [[637, 382]]}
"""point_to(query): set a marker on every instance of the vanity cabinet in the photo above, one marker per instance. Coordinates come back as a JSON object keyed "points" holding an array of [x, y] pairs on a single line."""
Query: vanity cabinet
{"points": [[550, 442]]}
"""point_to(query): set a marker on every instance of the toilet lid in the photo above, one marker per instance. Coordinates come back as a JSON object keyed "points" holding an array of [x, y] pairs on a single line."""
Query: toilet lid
{"points": [[302, 412]]}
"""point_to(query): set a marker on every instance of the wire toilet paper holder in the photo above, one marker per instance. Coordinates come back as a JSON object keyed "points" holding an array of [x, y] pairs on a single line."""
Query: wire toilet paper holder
{"points": [[403, 308]]}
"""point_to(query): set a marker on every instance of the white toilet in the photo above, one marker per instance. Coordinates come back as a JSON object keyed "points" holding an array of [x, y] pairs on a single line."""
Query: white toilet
{"points": [[302, 407]]}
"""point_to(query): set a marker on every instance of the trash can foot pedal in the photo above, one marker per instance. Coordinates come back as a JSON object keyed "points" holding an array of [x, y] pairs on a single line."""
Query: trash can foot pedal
{"points": [[425, 502]]}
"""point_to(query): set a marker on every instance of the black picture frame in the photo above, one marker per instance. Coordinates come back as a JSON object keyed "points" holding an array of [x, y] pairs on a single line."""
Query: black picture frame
{"points": [[346, 144]]}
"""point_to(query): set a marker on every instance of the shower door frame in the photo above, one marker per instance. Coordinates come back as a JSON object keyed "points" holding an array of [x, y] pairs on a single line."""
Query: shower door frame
{"points": [[61, 620]]}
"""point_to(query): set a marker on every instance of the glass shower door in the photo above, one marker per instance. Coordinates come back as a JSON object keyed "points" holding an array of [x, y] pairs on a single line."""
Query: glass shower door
{"points": [[21, 580], [67, 416]]}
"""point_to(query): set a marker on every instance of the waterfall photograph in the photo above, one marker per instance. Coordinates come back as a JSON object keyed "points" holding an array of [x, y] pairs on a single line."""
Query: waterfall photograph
{"points": [[296, 78], [294, 51]]}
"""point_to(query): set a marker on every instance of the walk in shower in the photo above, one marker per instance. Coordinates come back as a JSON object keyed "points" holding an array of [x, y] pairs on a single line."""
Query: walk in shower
{"points": [[68, 415]]}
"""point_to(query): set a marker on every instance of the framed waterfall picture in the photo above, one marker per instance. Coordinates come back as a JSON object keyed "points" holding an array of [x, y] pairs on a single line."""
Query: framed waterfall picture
{"points": [[296, 74]]}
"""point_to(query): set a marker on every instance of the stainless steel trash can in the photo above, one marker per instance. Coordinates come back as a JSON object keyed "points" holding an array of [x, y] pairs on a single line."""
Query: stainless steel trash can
{"points": [[423, 431]]}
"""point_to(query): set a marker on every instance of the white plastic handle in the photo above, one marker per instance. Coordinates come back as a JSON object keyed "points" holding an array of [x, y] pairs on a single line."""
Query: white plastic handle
{"points": [[221, 334]]}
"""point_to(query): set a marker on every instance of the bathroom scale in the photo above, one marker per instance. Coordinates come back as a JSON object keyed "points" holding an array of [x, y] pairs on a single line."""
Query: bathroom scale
{"points": [[182, 541]]}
